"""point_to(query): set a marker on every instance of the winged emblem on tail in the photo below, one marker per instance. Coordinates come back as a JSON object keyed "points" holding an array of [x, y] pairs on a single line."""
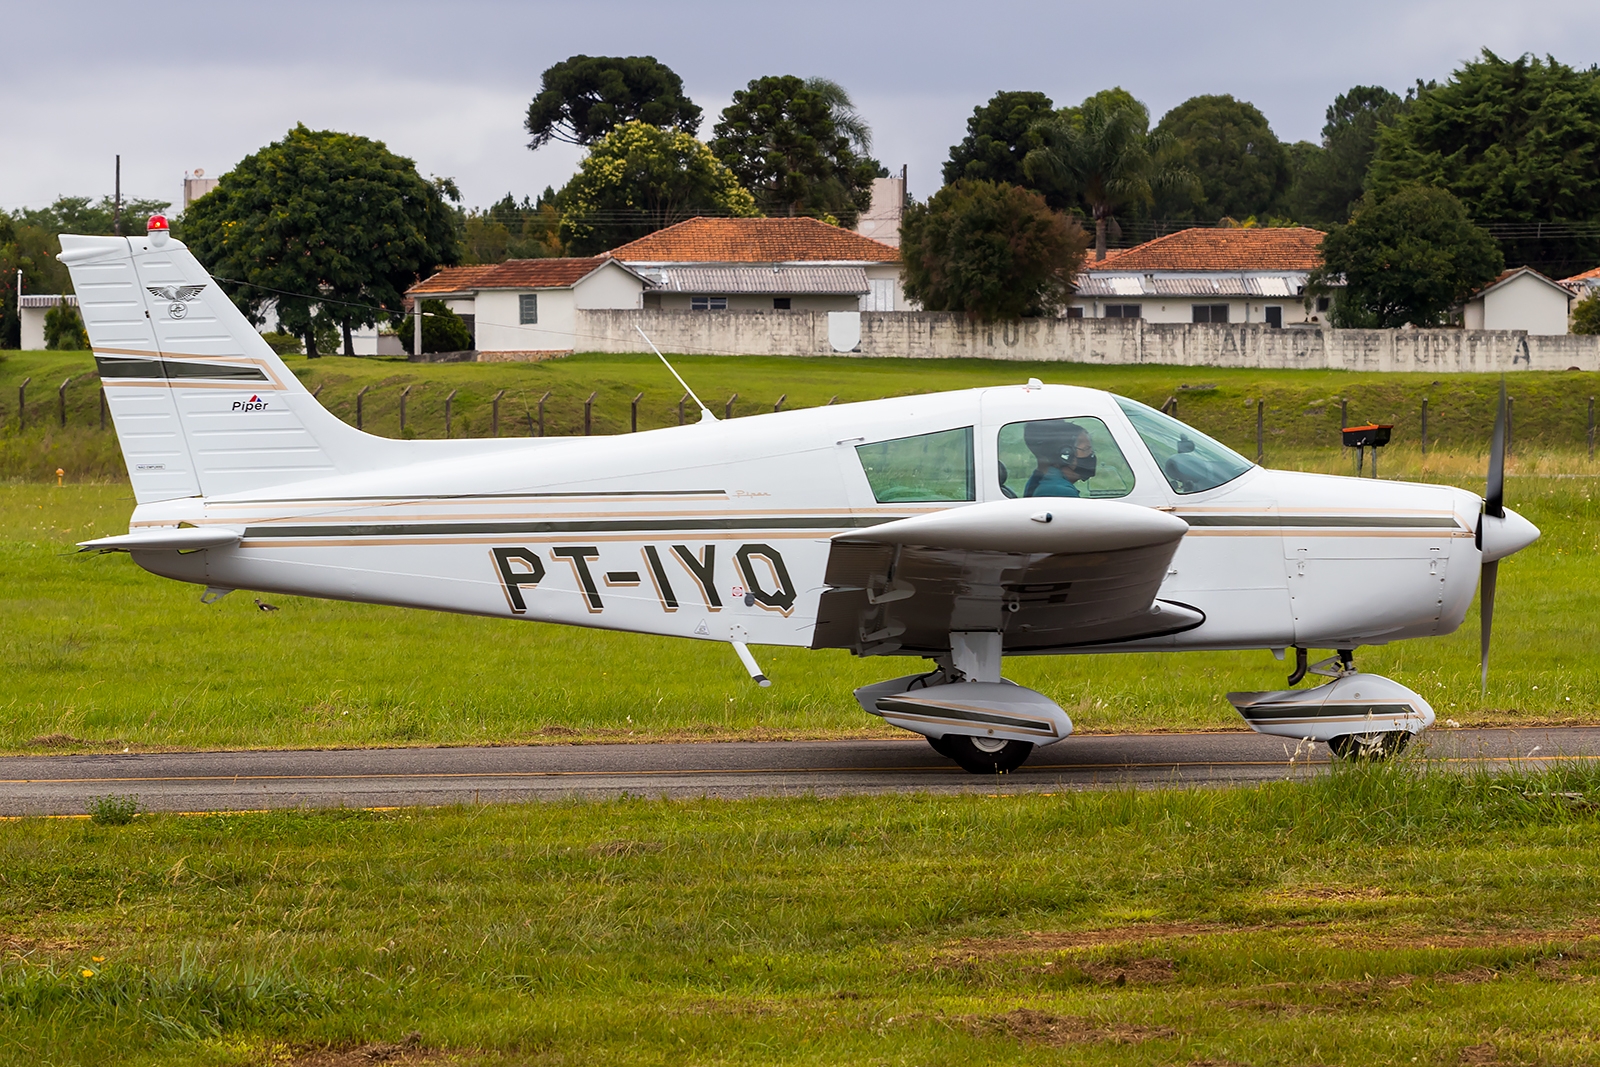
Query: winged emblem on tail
{"points": [[177, 295]]}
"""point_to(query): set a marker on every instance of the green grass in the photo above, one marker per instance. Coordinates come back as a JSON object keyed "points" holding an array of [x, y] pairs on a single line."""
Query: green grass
{"points": [[100, 654], [1302, 407], [1376, 915]]}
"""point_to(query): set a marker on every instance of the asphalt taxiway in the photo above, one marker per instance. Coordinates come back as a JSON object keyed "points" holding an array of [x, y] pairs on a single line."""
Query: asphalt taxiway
{"points": [[373, 778]]}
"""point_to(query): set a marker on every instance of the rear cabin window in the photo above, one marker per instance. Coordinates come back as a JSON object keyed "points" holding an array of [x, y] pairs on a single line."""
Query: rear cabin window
{"points": [[928, 468], [1062, 457]]}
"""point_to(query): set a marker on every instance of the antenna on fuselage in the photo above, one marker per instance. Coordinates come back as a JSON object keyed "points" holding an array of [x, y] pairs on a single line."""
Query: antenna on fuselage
{"points": [[705, 412]]}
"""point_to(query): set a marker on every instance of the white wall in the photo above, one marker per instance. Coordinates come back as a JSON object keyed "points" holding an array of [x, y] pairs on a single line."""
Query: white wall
{"points": [[498, 328], [609, 287], [1524, 303], [32, 325]]}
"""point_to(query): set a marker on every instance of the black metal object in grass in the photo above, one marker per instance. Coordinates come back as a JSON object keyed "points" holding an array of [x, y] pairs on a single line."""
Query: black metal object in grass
{"points": [[494, 418], [542, 399], [727, 409], [1361, 438], [449, 401], [634, 420], [403, 394], [22, 403], [360, 400], [588, 413], [61, 400]]}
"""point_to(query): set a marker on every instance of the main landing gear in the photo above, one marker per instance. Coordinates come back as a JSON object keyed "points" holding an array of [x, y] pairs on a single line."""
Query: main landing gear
{"points": [[967, 712]]}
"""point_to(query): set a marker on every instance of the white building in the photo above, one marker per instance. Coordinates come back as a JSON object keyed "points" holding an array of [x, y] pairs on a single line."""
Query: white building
{"points": [[528, 307], [1207, 275], [783, 264], [1520, 299], [31, 310], [881, 220]]}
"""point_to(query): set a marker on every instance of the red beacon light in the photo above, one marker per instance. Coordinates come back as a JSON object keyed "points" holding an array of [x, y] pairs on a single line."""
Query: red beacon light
{"points": [[157, 222], [158, 230]]}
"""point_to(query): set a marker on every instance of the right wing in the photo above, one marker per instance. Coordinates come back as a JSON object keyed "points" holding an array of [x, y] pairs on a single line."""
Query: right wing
{"points": [[1046, 572]]}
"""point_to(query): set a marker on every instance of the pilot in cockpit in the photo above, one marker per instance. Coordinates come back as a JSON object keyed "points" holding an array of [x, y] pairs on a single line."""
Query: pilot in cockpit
{"points": [[1065, 457]]}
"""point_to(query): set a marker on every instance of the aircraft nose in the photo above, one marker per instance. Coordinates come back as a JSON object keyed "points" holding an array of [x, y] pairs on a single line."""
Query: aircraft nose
{"points": [[1507, 534]]}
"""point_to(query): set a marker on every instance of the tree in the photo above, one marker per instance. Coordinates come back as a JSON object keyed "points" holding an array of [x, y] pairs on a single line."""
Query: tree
{"points": [[1518, 142], [1330, 178], [999, 136], [1102, 153], [1586, 314], [80, 214], [509, 230], [1408, 259], [583, 98], [442, 329], [1241, 168], [640, 178], [797, 146], [991, 250], [63, 329], [331, 227]]}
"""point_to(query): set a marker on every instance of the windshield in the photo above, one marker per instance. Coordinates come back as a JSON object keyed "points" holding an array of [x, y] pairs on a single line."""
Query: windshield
{"points": [[1190, 461]]}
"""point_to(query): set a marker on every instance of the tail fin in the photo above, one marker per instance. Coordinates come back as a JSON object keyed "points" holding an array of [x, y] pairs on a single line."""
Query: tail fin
{"points": [[202, 404]]}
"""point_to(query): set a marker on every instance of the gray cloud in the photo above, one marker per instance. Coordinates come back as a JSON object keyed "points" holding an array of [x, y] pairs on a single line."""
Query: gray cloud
{"points": [[447, 84]]}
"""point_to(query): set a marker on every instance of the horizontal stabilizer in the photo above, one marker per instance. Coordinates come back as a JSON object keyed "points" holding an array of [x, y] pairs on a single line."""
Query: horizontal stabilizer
{"points": [[164, 539]]}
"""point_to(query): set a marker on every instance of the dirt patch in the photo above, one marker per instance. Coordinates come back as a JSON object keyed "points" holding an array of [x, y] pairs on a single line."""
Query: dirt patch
{"points": [[1041, 1028], [1331, 893], [1033, 943], [409, 1050], [57, 741], [14, 945], [1459, 939], [1480, 1055]]}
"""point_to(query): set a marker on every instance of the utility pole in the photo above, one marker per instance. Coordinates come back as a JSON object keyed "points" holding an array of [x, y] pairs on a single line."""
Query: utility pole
{"points": [[116, 215]]}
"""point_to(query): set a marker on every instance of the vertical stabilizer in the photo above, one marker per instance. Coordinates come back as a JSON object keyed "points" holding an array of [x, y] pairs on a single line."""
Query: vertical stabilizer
{"points": [[202, 404]]}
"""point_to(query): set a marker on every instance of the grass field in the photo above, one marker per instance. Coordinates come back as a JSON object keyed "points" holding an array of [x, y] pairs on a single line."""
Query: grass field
{"points": [[1380, 915], [100, 654], [1301, 414]]}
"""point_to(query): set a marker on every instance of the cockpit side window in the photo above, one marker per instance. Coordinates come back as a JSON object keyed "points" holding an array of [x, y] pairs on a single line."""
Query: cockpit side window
{"points": [[1062, 457], [930, 467], [1189, 460]]}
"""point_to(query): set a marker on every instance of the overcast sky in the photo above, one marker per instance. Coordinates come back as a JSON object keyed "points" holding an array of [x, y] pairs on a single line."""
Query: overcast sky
{"points": [[179, 85]]}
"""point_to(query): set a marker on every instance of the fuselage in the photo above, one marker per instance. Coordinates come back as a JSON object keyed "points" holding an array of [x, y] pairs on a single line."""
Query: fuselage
{"points": [[721, 530]]}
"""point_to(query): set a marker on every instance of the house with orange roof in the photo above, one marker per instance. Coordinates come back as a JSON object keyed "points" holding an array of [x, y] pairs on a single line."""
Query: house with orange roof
{"points": [[779, 264], [1582, 286], [529, 307], [1207, 274], [1520, 299]]}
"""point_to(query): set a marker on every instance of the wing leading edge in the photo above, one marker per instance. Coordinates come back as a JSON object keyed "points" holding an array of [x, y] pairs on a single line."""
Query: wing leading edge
{"points": [[1046, 573]]}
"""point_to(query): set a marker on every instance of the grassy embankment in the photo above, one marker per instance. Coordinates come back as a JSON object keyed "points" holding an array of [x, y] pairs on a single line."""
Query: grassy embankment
{"points": [[101, 654], [1380, 915]]}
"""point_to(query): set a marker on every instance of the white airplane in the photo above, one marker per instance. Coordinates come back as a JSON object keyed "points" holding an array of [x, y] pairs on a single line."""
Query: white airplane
{"points": [[955, 527]]}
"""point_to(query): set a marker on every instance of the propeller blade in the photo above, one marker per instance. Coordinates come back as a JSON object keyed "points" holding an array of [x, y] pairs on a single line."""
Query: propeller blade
{"points": [[1491, 571], [1494, 497]]}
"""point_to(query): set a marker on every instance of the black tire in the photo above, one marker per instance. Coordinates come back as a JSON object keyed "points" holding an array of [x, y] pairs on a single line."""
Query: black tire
{"points": [[1369, 746], [984, 755], [939, 746]]}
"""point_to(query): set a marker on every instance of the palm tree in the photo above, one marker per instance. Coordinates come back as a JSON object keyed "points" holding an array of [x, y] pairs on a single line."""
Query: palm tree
{"points": [[1104, 151], [846, 119]]}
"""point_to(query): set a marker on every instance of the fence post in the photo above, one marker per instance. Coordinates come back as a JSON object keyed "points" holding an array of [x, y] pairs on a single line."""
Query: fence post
{"points": [[635, 422], [831, 400], [681, 399], [1169, 406], [1261, 441], [61, 400], [588, 409], [403, 394], [727, 409], [1424, 426], [103, 416], [22, 403], [447, 402], [494, 421], [318, 390], [1591, 428], [542, 399], [360, 403], [779, 405]]}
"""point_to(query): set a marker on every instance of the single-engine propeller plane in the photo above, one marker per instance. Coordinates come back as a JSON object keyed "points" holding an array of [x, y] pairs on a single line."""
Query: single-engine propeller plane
{"points": [[957, 527]]}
